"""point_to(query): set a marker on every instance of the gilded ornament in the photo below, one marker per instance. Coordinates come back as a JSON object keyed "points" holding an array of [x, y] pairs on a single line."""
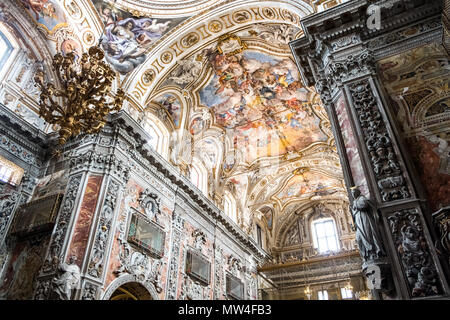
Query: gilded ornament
{"points": [[81, 104]]}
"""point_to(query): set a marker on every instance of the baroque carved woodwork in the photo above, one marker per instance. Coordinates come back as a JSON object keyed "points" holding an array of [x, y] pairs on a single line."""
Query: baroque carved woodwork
{"points": [[385, 163], [407, 233]]}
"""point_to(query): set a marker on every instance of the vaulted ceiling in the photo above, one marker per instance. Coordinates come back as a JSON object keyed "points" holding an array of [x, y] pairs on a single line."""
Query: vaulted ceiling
{"points": [[218, 74]]}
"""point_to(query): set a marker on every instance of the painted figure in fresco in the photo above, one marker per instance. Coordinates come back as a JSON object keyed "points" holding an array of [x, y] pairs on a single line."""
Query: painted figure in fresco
{"points": [[126, 39], [45, 12], [172, 105], [251, 92], [68, 279], [369, 242], [37, 6]]}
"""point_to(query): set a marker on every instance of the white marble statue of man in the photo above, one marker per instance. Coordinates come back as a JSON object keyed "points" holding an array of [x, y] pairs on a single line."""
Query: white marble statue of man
{"points": [[68, 279], [369, 242]]}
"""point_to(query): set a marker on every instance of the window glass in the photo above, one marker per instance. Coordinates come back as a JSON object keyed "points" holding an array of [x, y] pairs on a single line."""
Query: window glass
{"points": [[10, 172], [259, 235], [346, 293], [325, 237], [322, 295], [5, 48]]}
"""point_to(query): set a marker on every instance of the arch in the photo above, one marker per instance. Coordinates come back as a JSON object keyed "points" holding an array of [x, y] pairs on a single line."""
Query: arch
{"points": [[131, 282], [334, 208]]}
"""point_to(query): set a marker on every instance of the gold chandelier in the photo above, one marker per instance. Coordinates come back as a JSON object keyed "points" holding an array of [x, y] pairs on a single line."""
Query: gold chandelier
{"points": [[82, 102]]}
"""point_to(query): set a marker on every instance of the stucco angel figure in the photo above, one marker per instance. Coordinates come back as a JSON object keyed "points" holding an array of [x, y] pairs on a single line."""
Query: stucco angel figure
{"points": [[367, 237], [68, 280]]}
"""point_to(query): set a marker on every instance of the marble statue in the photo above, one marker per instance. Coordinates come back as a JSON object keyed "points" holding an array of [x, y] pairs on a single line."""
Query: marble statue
{"points": [[68, 279]]}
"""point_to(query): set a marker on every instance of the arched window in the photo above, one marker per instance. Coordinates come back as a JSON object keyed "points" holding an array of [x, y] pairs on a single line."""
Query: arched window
{"points": [[159, 136], [230, 206], [10, 172], [199, 176], [9, 49], [325, 235], [5, 48], [259, 235]]}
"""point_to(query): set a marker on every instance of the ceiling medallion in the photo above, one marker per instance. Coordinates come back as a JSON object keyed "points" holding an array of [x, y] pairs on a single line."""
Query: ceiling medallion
{"points": [[82, 103]]}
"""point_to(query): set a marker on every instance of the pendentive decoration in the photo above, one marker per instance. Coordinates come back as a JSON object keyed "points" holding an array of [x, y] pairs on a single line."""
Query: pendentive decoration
{"points": [[82, 101]]}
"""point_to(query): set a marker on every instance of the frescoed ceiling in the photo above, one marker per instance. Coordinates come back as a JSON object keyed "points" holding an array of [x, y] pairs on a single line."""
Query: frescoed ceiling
{"points": [[221, 71]]}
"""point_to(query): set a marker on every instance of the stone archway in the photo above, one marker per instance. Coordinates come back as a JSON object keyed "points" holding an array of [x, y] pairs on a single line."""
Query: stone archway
{"points": [[128, 287], [131, 291]]}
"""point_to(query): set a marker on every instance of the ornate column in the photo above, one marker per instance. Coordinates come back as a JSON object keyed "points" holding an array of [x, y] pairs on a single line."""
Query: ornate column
{"points": [[393, 236], [81, 241]]}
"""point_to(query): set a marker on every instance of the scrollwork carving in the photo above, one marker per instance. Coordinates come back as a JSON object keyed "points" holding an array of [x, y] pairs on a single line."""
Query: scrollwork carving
{"points": [[8, 202], [143, 267], [104, 162], [199, 239], [353, 65], [234, 265]]}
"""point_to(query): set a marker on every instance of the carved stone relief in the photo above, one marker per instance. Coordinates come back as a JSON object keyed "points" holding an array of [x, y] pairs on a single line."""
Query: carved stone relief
{"points": [[90, 291], [145, 268], [8, 201], [150, 202], [177, 226], [234, 266]]}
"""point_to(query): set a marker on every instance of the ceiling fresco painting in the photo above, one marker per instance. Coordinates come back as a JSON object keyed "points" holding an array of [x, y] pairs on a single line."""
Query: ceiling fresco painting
{"points": [[170, 103], [309, 184], [261, 99], [126, 38], [46, 13]]}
